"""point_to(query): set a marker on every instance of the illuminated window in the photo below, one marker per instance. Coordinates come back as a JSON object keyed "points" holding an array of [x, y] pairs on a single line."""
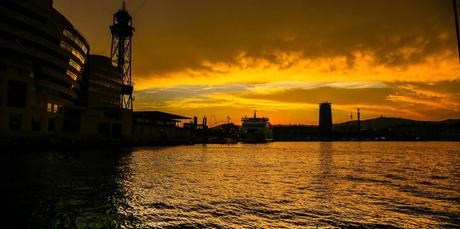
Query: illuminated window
{"points": [[76, 40], [75, 65], [72, 75], [66, 46], [73, 51], [49, 107], [53, 108]]}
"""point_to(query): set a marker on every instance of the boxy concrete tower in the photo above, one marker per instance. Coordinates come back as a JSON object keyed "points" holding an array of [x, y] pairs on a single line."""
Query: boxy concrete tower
{"points": [[325, 117]]}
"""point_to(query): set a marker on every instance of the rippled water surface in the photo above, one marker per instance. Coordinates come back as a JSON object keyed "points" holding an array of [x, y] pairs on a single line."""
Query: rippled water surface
{"points": [[329, 184]]}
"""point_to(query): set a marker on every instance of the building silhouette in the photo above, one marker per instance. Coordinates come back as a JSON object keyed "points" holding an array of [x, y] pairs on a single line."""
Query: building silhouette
{"points": [[52, 89], [43, 58], [325, 117]]}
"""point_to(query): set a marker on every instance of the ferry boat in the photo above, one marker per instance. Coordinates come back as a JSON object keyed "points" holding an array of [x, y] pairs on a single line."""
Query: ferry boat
{"points": [[256, 130]]}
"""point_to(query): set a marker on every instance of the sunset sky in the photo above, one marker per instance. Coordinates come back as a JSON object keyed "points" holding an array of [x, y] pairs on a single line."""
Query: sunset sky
{"points": [[224, 58]]}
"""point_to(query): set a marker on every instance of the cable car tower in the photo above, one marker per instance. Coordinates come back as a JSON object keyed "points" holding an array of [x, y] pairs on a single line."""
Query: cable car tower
{"points": [[122, 34]]}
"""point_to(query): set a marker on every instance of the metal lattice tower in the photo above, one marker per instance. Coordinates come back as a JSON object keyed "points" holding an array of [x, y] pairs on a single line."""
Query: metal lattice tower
{"points": [[122, 33]]}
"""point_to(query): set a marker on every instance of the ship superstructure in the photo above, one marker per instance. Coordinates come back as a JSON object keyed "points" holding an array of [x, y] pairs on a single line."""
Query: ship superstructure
{"points": [[256, 130]]}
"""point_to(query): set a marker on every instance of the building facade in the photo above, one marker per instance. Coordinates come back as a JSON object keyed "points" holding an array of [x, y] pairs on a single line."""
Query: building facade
{"points": [[155, 127], [101, 85], [43, 58]]}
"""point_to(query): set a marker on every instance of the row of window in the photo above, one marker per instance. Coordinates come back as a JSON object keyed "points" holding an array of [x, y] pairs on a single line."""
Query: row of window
{"points": [[113, 77], [105, 101], [72, 75], [51, 56], [74, 52], [17, 96], [75, 39], [105, 84], [75, 65], [53, 108], [16, 120]]}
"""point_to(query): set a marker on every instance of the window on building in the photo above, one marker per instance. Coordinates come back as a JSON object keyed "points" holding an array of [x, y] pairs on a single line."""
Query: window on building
{"points": [[51, 124], [36, 123], [72, 75], [116, 130], [75, 39], [73, 51], [53, 108], [15, 122], [75, 65], [17, 93], [104, 129]]}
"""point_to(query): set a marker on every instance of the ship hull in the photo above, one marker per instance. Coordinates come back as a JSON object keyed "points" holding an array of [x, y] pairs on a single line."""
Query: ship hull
{"points": [[260, 136]]}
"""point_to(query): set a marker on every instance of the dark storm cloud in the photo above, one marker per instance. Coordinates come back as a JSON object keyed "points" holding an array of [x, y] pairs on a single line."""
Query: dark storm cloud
{"points": [[174, 35]]}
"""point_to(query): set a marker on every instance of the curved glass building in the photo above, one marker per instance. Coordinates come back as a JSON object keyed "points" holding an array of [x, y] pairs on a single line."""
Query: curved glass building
{"points": [[43, 58]]}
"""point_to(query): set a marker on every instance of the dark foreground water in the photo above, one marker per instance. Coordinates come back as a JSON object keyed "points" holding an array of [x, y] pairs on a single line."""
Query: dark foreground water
{"points": [[339, 184]]}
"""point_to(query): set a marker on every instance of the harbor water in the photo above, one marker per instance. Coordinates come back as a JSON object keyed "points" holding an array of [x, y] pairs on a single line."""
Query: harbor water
{"points": [[280, 184]]}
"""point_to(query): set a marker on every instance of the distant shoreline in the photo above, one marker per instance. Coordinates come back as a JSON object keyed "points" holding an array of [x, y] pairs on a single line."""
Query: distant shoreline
{"points": [[113, 145]]}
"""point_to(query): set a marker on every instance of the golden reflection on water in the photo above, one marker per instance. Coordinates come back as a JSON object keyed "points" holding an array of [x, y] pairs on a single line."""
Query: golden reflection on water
{"points": [[313, 184]]}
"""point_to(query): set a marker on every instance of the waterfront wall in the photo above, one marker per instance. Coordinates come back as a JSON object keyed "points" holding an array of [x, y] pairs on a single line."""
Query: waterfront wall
{"points": [[162, 135]]}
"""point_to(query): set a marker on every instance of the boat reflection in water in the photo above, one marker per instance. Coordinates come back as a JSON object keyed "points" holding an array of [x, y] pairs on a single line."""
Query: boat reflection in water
{"points": [[256, 130]]}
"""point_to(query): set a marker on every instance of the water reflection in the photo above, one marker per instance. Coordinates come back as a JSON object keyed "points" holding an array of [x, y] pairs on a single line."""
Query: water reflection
{"points": [[64, 190], [342, 184], [282, 184], [326, 184]]}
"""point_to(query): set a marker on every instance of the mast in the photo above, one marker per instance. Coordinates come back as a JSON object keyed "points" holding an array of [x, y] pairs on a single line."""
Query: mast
{"points": [[359, 120], [122, 33]]}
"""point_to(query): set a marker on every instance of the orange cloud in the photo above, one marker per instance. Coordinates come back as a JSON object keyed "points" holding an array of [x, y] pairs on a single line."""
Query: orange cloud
{"points": [[293, 66]]}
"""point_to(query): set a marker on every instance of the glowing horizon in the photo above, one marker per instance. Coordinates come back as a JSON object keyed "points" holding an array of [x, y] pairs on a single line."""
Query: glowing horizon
{"points": [[219, 58]]}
